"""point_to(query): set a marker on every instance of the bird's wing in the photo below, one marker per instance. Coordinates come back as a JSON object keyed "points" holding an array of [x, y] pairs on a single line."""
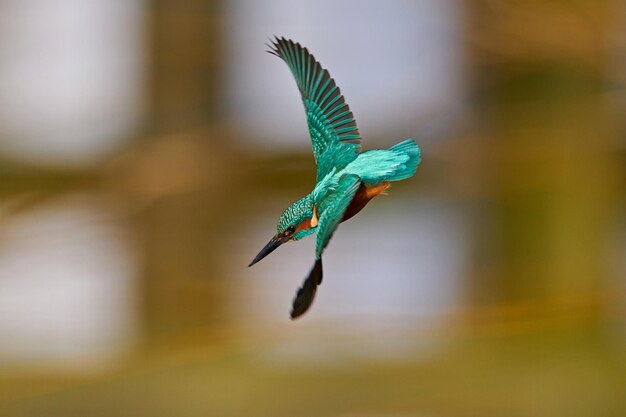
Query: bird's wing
{"points": [[306, 293], [331, 209], [334, 134]]}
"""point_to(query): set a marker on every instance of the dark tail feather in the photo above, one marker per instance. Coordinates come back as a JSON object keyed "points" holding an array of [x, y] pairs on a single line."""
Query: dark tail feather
{"points": [[306, 293]]}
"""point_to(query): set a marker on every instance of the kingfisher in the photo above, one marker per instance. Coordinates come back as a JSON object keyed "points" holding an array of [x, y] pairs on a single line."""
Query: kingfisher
{"points": [[347, 177]]}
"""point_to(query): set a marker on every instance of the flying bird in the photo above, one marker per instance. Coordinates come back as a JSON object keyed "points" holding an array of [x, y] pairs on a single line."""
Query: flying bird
{"points": [[347, 178]]}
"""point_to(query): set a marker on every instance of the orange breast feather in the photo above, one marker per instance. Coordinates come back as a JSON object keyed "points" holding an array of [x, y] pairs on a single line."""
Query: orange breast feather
{"points": [[363, 195]]}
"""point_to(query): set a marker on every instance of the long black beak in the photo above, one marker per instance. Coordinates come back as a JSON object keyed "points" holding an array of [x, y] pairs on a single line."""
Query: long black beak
{"points": [[269, 248]]}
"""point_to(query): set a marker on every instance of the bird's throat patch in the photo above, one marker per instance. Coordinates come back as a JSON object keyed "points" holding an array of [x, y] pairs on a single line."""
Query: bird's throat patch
{"points": [[314, 219]]}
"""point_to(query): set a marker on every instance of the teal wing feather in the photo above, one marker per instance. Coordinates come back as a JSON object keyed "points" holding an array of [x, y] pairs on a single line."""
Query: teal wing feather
{"points": [[331, 209], [334, 134]]}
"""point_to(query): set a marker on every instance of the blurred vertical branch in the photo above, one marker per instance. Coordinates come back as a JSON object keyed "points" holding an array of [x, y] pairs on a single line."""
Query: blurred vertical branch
{"points": [[187, 59], [549, 155]]}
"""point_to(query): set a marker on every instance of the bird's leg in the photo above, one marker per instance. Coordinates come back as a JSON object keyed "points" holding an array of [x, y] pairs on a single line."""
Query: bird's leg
{"points": [[306, 293]]}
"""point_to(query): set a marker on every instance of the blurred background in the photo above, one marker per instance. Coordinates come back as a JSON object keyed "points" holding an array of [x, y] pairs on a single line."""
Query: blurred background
{"points": [[147, 148]]}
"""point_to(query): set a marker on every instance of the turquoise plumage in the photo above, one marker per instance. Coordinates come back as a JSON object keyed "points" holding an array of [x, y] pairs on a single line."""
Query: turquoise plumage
{"points": [[347, 179]]}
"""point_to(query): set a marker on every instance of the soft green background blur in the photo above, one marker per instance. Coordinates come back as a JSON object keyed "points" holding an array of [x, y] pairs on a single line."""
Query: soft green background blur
{"points": [[147, 148]]}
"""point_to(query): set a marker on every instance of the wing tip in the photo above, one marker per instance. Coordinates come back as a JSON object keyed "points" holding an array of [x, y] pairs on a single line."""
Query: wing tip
{"points": [[306, 293], [272, 44], [277, 44]]}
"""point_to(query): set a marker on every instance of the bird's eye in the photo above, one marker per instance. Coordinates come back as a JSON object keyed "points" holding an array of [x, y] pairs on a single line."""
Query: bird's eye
{"points": [[290, 230]]}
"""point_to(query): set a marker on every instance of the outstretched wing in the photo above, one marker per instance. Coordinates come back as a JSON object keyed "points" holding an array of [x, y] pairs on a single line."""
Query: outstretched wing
{"points": [[331, 124], [331, 209]]}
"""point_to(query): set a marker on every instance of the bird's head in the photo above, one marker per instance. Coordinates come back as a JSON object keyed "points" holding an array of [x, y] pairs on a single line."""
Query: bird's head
{"points": [[296, 222]]}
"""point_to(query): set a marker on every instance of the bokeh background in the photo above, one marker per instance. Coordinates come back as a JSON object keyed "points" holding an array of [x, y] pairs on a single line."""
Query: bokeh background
{"points": [[147, 148]]}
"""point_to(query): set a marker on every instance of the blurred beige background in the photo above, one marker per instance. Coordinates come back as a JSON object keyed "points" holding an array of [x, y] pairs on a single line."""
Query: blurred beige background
{"points": [[148, 147]]}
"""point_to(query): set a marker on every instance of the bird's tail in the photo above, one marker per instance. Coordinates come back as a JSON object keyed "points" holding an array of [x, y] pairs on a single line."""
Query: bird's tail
{"points": [[407, 169]]}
